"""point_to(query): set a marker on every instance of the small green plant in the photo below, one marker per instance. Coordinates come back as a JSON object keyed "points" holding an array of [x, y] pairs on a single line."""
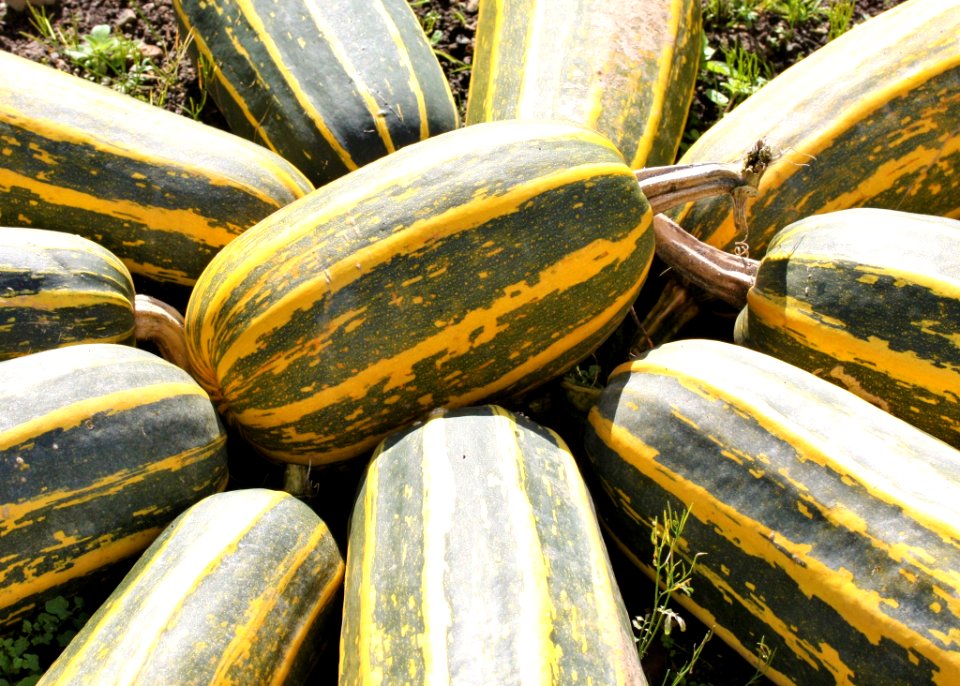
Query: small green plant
{"points": [[840, 17], [732, 12], [740, 74], [796, 13], [674, 574], [27, 652], [671, 574]]}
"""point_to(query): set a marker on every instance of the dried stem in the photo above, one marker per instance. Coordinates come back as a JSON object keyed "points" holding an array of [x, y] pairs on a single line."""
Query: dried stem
{"points": [[722, 275], [160, 324]]}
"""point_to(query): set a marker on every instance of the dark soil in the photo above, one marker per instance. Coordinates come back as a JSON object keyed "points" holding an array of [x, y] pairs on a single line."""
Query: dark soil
{"points": [[450, 26]]}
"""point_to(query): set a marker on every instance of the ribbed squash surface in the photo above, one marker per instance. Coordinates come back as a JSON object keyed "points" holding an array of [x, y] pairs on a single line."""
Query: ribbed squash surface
{"points": [[328, 84], [162, 192], [238, 590], [625, 69], [479, 262], [870, 119], [869, 300], [101, 446], [474, 557], [830, 527], [59, 289]]}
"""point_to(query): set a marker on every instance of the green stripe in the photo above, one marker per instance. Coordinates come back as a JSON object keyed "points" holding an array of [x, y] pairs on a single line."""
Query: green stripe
{"points": [[466, 495], [24, 330], [267, 567], [914, 126], [737, 446], [868, 311], [306, 100]]}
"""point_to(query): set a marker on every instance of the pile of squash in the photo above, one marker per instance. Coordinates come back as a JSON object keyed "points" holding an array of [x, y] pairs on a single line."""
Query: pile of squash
{"points": [[371, 287]]}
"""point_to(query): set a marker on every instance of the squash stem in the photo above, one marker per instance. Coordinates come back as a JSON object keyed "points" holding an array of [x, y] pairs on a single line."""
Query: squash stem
{"points": [[670, 186], [158, 323], [721, 274]]}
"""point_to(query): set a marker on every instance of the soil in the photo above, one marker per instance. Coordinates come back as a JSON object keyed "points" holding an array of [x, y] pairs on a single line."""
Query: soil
{"points": [[451, 25]]}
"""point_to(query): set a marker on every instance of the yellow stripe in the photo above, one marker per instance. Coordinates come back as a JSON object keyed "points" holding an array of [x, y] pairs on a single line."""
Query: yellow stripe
{"points": [[604, 584], [170, 583], [439, 492], [860, 607], [397, 371], [536, 653], [275, 592], [253, 19], [496, 36], [105, 550], [334, 583], [242, 155], [204, 50], [664, 57], [101, 488], [923, 492], [52, 300], [74, 414], [798, 320], [179, 222], [456, 220], [370, 639], [402, 55]]}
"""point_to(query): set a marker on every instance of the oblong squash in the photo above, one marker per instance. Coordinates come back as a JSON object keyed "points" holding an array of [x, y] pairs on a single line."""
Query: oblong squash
{"points": [[479, 262], [59, 289], [101, 446], [238, 589], [474, 556], [831, 529], [870, 119], [162, 192], [330, 85], [626, 69], [870, 300]]}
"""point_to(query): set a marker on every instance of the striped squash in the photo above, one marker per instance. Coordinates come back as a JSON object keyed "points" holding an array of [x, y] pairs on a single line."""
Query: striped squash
{"points": [[831, 529], [162, 192], [101, 446], [239, 589], [474, 557], [870, 300], [59, 289], [870, 119], [480, 262], [626, 69], [328, 84]]}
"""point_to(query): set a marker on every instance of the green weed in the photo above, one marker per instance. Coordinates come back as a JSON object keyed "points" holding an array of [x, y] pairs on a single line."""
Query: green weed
{"points": [[26, 652]]}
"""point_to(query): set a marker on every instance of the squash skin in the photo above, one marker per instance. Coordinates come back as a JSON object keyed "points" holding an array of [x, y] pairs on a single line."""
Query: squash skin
{"points": [[829, 526], [101, 446], [478, 263], [868, 119], [162, 192], [870, 300], [329, 85], [58, 289], [238, 589], [474, 556], [631, 78]]}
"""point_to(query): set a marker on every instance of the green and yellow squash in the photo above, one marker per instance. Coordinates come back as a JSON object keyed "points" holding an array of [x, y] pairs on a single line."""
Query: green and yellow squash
{"points": [[101, 446], [329, 85], [480, 262], [831, 528], [162, 192], [870, 300], [59, 289], [870, 119], [625, 69], [240, 589], [474, 557]]}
